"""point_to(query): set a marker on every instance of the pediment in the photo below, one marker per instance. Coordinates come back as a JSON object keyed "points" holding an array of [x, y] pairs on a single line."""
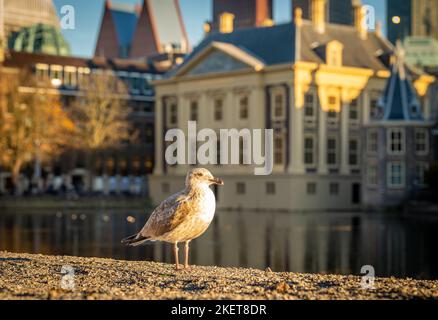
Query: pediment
{"points": [[219, 58]]}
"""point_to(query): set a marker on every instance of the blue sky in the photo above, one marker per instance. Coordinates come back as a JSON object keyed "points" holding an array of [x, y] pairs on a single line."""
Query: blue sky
{"points": [[195, 13]]}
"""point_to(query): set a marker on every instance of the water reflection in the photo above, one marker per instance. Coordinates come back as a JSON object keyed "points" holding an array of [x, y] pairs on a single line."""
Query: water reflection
{"points": [[324, 243]]}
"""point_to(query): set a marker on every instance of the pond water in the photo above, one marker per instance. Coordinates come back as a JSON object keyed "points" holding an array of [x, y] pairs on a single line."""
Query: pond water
{"points": [[339, 243]]}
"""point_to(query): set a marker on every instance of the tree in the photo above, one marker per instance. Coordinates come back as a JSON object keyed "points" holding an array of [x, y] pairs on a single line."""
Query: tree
{"points": [[101, 115], [32, 123]]}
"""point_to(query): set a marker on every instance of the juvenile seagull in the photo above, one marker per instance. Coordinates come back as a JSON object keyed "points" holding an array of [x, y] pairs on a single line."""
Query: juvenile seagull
{"points": [[183, 216]]}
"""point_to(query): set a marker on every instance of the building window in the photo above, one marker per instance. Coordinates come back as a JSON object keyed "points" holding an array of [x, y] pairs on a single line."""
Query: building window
{"points": [[309, 150], [226, 22], [421, 142], [146, 84], [149, 135], [309, 106], [334, 188], [270, 188], [396, 174], [56, 73], [218, 109], [194, 111], [244, 107], [372, 175], [373, 141], [84, 77], [353, 152], [173, 113], [135, 86], [332, 113], [375, 109], [279, 150], [42, 73], [354, 111], [420, 173], [240, 188], [396, 141], [278, 104], [332, 151], [70, 76], [311, 188]]}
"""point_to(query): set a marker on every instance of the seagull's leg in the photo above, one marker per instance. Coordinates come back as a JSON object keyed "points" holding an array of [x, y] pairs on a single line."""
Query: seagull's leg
{"points": [[175, 253], [186, 256]]}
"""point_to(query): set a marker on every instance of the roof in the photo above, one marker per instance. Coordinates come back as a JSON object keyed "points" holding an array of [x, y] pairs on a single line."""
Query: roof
{"points": [[40, 38], [272, 45], [278, 45], [168, 22], [125, 19], [369, 53], [399, 100]]}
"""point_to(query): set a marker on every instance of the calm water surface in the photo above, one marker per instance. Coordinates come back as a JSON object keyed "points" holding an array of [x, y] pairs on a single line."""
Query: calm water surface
{"points": [[308, 242]]}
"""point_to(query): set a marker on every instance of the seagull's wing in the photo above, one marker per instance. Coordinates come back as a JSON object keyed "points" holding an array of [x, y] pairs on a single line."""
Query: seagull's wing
{"points": [[167, 216]]}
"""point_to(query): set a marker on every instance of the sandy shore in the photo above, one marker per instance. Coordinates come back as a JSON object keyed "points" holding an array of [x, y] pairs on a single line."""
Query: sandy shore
{"points": [[25, 276]]}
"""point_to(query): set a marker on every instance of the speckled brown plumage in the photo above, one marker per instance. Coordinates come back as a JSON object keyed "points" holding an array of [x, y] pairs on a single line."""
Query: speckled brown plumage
{"points": [[183, 216]]}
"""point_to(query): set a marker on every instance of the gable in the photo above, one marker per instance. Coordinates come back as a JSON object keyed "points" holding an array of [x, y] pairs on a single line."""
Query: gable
{"points": [[217, 61]]}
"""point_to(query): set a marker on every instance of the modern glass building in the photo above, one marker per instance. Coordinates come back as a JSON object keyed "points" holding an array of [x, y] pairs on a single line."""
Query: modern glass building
{"points": [[338, 11]]}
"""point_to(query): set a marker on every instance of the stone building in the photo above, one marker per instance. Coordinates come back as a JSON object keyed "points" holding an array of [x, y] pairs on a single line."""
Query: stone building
{"points": [[316, 84], [397, 141]]}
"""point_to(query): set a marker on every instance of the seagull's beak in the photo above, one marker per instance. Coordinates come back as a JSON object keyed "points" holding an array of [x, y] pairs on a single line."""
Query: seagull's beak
{"points": [[217, 181]]}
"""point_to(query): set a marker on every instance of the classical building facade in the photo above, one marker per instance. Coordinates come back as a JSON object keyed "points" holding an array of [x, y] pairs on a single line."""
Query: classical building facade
{"points": [[316, 84], [146, 31]]}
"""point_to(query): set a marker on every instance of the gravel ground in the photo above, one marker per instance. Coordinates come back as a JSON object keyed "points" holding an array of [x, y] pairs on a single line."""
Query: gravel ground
{"points": [[26, 276]]}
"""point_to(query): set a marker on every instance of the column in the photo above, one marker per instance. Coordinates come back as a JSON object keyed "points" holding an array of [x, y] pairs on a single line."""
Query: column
{"points": [[296, 159], [345, 169], [322, 142], [365, 108]]}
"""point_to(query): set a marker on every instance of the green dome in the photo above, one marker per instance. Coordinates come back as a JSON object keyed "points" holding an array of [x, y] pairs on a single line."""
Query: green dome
{"points": [[40, 38]]}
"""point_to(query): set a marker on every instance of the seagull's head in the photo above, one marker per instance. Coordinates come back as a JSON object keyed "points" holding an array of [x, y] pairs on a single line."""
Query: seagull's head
{"points": [[201, 176]]}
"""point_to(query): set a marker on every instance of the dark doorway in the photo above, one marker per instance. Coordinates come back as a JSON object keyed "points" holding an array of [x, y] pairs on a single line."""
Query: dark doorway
{"points": [[356, 193]]}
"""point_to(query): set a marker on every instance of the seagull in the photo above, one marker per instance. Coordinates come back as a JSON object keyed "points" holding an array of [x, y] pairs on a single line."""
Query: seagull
{"points": [[183, 216]]}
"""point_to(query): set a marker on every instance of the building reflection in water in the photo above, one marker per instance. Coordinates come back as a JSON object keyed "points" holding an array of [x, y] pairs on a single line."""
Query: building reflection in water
{"points": [[323, 243]]}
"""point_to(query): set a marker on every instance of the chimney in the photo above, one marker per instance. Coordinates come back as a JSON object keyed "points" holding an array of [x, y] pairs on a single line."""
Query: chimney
{"points": [[298, 17], [207, 27], [359, 19], [226, 22], [318, 15], [379, 29]]}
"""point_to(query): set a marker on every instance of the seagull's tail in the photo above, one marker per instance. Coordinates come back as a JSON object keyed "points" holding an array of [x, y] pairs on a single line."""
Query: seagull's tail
{"points": [[135, 240]]}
